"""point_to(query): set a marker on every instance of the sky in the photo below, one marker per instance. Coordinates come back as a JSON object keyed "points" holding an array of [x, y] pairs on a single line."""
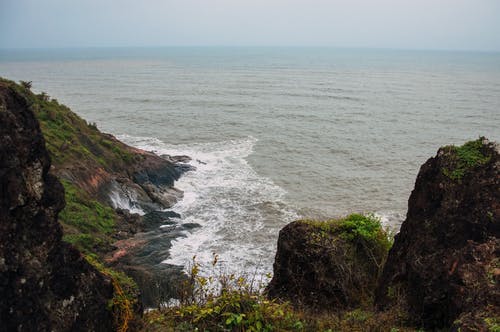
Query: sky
{"points": [[405, 24]]}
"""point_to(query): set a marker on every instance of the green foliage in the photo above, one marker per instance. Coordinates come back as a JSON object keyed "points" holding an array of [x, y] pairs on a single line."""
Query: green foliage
{"points": [[26, 84], [493, 324], [357, 228], [87, 222], [125, 294], [466, 157], [236, 305], [69, 138], [224, 303]]}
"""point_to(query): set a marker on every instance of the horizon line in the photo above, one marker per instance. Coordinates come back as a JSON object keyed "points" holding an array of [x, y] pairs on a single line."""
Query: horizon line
{"points": [[23, 48]]}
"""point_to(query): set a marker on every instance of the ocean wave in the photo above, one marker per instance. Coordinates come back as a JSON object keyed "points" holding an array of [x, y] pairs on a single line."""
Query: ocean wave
{"points": [[240, 212]]}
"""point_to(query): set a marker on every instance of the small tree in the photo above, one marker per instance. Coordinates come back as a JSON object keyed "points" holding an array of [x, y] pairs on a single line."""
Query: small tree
{"points": [[44, 96], [26, 84]]}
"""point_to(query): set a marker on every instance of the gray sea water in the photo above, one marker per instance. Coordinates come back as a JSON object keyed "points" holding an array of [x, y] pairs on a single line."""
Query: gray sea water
{"points": [[276, 134]]}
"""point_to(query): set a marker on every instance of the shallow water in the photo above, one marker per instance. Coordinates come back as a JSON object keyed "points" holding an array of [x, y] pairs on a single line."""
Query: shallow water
{"points": [[276, 133]]}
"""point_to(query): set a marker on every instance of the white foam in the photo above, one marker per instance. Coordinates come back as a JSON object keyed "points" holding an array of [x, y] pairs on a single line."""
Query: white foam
{"points": [[240, 212], [124, 200], [390, 220]]}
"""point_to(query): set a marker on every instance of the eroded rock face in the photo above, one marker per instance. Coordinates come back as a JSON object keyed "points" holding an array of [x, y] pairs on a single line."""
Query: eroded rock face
{"points": [[444, 265], [45, 284]]}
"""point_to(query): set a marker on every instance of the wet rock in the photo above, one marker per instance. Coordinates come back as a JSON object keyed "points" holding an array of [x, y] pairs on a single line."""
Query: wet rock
{"points": [[45, 284], [442, 266], [177, 159], [183, 168], [164, 197]]}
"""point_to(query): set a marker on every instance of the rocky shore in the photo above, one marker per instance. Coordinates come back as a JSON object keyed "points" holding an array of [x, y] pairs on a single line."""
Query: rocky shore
{"points": [[69, 243], [103, 182]]}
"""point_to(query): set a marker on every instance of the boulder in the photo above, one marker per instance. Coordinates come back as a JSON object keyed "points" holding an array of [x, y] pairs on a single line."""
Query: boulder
{"points": [[329, 265]]}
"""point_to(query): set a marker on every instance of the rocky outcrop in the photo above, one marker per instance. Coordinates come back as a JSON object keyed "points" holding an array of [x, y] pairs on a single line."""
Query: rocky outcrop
{"points": [[45, 284], [444, 265], [329, 265]]}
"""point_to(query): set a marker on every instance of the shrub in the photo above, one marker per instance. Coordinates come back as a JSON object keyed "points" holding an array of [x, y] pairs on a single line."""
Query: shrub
{"points": [[466, 157]]}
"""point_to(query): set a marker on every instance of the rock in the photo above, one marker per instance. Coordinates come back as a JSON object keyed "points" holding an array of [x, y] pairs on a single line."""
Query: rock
{"points": [[164, 197], [177, 159], [183, 168], [328, 266], [45, 284], [442, 265]]}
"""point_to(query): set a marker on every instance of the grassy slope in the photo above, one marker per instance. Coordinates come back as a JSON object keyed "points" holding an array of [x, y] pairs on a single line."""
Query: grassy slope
{"points": [[87, 223]]}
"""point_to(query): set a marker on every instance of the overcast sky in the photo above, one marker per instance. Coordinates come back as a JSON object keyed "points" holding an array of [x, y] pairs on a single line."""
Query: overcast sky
{"points": [[413, 24]]}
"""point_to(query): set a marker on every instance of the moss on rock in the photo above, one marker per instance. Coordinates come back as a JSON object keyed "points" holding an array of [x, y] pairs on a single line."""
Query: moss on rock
{"points": [[330, 265]]}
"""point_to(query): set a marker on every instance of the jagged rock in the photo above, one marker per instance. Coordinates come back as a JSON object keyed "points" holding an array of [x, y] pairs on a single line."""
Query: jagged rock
{"points": [[445, 260], [328, 266], [45, 284]]}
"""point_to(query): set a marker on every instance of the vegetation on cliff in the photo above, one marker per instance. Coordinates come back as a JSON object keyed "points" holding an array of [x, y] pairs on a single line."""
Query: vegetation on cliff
{"points": [[73, 143], [463, 159], [221, 302], [45, 283], [88, 224], [444, 267]]}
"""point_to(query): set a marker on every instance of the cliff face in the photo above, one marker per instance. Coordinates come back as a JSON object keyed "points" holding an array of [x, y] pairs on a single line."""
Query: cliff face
{"points": [[45, 284], [444, 265], [103, 178]]}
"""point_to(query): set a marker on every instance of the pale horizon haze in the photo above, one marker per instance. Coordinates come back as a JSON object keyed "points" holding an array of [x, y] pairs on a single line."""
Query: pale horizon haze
{"points": [[401, 24]]}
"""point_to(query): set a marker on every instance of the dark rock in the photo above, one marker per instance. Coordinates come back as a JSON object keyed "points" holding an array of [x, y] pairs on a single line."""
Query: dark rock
{"points": [[157, 218], [177, 159], [190, 225], [318, 268], [161, 175], [45, 284], [183, 168], [443, 262], [130, 224]]}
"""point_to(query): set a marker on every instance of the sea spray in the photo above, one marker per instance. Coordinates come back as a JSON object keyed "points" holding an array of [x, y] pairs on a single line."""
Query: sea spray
{"points": [[239, 211]]}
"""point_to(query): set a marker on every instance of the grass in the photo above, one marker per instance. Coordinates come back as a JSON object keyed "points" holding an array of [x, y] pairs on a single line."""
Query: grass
{"points": [[88, 224], [366, 230], [69, 138], [465, 158]]}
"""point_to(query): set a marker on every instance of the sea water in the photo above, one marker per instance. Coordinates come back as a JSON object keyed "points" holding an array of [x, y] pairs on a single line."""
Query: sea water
{"points": [[276, 134]]}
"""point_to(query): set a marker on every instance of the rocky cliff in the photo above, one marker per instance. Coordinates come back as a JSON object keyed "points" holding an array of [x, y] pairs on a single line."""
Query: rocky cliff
{"points": [[444, 265], [105, 181], [441, 273], [45, 284]]}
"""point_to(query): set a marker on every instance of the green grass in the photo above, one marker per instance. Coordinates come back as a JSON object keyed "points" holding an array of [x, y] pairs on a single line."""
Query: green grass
{"points": [[356, 227], [69, 138], [88, 222], [466, 157]]}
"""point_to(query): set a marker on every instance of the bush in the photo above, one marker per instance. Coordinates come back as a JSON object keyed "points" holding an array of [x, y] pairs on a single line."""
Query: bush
{"points": [[223, 303], [465, 157]]}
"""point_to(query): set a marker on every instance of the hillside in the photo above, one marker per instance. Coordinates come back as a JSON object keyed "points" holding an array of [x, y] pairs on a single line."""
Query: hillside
{"points": [[102, 178]]}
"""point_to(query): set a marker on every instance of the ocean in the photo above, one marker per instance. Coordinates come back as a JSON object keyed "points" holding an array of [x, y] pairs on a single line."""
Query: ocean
{"points": [[276, 134]]}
